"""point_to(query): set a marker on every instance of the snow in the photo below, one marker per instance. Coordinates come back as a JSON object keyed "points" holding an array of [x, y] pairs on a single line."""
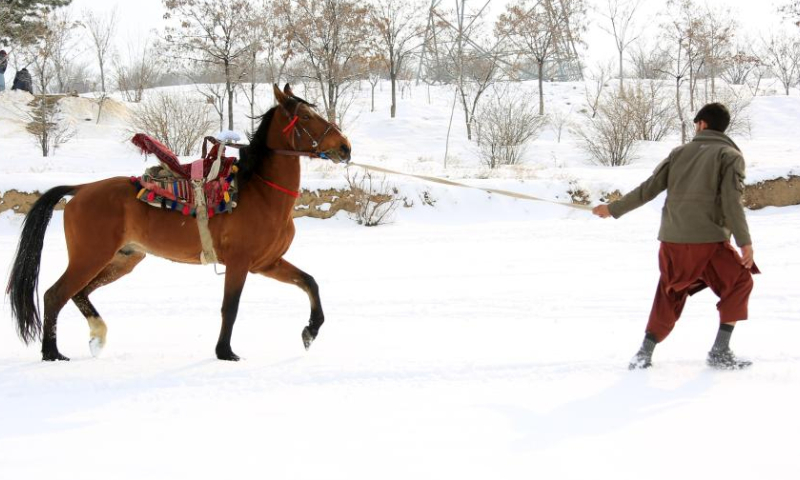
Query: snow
{"points": [[481, 337]]}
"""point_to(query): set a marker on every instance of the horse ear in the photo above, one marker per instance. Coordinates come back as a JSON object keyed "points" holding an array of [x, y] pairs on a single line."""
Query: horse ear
{"points": [[287, 89], [279, 95]]}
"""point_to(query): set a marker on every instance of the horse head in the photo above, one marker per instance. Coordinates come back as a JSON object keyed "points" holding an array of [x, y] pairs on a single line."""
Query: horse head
{"points": [[307, 131]]}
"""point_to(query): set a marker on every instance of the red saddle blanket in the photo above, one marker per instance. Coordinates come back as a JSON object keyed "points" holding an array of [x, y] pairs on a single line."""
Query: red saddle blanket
{"points": [[170, 185], [149, 144]]}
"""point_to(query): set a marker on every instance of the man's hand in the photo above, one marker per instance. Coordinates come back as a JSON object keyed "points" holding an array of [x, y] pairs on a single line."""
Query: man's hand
{"points": [[601, 211], [747, 256]]}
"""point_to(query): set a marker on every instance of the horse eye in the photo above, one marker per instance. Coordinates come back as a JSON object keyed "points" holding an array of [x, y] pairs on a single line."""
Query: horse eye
{"points": [[306, 117]]}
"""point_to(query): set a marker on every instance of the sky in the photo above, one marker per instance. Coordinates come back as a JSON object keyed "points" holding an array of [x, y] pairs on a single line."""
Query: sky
{"points": [[137, 17]]}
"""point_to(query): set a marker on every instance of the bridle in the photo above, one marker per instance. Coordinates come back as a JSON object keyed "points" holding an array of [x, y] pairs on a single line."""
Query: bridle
{"points": [[294, 130]]}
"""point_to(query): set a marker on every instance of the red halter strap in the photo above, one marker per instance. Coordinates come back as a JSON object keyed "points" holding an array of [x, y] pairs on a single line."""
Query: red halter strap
{"points": [[277, 187], [288, 129]]}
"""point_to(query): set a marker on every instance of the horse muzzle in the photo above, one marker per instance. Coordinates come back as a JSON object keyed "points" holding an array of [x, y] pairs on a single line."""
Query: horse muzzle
{"points": [[340, 155]]}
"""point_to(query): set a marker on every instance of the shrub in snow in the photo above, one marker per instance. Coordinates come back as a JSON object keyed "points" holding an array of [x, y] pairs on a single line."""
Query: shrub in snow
{"points": [[375, 199], [48, 124], [610, 137], [507, 122], [177, 120]]}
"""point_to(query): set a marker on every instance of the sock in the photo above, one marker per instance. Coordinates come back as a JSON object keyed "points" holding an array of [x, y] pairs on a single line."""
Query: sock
{"points": [[723, 338], [649, 344]]}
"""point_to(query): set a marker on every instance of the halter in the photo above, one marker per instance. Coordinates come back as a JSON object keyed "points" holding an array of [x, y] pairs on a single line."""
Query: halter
{"points": [[292, 128]]}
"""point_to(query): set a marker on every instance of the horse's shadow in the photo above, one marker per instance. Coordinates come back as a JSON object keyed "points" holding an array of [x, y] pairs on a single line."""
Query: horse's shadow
{"points": [[628, 401]]}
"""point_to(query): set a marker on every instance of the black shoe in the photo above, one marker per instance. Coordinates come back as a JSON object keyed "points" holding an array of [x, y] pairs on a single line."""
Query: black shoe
{"points": [[641, 360], [726, 360]]}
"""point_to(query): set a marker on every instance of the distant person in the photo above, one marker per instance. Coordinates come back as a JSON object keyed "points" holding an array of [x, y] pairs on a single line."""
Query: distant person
{"points": [[704, 180], [23, 81], [3, 66]]}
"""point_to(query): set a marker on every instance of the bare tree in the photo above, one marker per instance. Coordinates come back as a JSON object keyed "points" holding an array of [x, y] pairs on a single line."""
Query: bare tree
{"points": [[212, 32], [468, 59], [599, 75], [178, 121], [138, 71], [399, 28], [649, 61], [740, 63], [680, 32], [375, 71], [508, 122], [331, 35], [610, 138], [651, 110], [716, 32], [559, 119], [65, 48], [619, 15], [101, 29], [276, 40], [540, 29], [782, 54], [39, 54]]}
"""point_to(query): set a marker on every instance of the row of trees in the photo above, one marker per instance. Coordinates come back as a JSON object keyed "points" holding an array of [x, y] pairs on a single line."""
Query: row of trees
{"points": [[229, 47]]}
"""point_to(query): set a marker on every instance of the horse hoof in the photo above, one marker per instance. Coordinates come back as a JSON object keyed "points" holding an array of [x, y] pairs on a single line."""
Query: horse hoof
{"points": [[228, 356], [308, 338], [96, 345], [54, 356]]}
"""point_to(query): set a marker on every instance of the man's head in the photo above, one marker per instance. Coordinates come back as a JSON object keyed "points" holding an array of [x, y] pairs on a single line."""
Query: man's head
{"points": [[713, 116]]}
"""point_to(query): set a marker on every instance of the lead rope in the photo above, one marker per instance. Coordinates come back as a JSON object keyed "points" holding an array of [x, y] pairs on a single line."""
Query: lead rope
{"points": [[505, 193]]}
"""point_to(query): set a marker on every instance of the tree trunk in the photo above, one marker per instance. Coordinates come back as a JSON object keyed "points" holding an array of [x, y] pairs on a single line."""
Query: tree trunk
{"points": [[373, 98], [621, 73], [393, 77], [229, 88], [680, 110], [541, 92], [466, 115]]}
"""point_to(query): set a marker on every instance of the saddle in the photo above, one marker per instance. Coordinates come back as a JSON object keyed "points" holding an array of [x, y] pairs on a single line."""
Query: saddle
{"points": [[171, 185], [203, 188]]}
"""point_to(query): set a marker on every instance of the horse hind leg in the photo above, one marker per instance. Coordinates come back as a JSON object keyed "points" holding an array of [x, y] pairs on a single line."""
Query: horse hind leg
{"points": [[123, 263], [285, 272], [72, 281]]}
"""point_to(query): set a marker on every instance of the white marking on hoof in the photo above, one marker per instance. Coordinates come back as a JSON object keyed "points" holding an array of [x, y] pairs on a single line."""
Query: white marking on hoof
{"points": [[96, 346], [97, 335]]}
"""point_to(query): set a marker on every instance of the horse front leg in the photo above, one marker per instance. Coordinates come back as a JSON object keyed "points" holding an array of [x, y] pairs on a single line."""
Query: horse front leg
{"points": [[234, 283], [285, 272]]}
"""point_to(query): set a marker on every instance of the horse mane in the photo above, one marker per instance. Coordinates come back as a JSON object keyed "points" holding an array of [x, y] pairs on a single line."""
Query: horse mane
{"points": [[257, 150]]}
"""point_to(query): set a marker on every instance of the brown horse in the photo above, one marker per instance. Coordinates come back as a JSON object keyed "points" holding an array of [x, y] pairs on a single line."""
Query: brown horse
{"points": [[108, 231]]}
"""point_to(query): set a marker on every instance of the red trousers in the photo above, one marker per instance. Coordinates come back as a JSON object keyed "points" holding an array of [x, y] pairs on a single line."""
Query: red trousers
{"points": [[687, 268]]}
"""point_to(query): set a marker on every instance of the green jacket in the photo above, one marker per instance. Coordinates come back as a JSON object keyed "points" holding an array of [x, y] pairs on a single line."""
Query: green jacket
{"points": [[704, 180]]}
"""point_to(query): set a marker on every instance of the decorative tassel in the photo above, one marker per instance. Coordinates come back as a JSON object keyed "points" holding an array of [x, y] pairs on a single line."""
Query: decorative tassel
{"points": [[186, 210], [141, 192], [210, 212], [227, 196], [151, 196], [174, 205]]}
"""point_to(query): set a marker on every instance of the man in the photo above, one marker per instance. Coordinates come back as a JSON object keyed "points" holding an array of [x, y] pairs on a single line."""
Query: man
{"points": [[3, 66], [23, 81], [704, 180]]}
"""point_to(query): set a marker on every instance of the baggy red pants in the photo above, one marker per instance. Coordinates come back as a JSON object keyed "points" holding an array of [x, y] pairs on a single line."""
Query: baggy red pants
{"points": [[687, 268]]}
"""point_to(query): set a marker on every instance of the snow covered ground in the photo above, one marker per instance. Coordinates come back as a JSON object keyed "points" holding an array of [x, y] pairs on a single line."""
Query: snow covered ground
{"points": [[480, 338]]}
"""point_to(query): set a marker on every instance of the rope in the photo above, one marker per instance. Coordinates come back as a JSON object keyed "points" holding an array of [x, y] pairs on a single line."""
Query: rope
{"points": [[451, 183]]}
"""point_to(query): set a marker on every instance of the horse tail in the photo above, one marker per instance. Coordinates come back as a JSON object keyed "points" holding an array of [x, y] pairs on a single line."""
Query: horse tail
{"points": [[23, 283]]}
